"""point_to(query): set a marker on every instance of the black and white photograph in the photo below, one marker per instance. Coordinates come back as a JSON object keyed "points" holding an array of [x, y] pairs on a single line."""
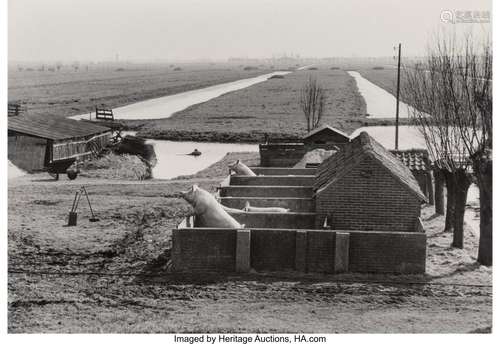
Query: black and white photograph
{"points": [[247, 171]]}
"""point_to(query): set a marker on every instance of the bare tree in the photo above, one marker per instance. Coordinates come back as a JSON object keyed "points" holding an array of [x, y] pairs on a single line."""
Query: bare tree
{"points": [[432, 88], [312, 102]]}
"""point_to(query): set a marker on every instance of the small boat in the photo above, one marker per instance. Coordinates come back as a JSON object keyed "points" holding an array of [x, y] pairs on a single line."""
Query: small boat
{"points": [[196, 152]]}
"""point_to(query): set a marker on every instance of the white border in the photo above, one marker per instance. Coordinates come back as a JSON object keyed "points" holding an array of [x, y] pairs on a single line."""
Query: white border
{"points": [[455, 339]]}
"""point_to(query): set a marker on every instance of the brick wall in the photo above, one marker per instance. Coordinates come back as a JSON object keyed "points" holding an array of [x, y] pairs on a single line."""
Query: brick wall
{"points": [[210, 250], [294, 204], [283, 171], [280, 154], [228, 250], [272, 180], [203, 250], [266, 191], [387, 252], [272, 250], [368, 198], [327, 251], [275, 220]]}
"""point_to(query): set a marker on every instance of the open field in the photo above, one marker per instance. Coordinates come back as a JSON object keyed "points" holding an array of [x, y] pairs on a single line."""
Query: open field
{"points": [[113, 275], [67, 92], [267, 108], [384, 78], [246, 115]]}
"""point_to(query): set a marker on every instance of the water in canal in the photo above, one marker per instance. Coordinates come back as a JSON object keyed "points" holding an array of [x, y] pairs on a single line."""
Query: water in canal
{"points": [[173, 160], [379, 102]]}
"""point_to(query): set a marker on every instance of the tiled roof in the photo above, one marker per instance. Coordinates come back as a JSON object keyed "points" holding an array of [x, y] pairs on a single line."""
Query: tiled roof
{"points": [[414, 159], [53, 127], [341, 163], [326, 127]]}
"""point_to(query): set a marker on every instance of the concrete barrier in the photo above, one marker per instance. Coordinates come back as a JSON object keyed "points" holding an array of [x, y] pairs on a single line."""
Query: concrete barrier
{"points": [[273, 180], [387, 252], [283, 171], [293, 203], [266, 191], [276, 220]]}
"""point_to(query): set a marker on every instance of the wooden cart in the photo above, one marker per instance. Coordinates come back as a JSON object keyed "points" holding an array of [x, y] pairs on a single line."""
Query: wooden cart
{"points": [[57, 167]]}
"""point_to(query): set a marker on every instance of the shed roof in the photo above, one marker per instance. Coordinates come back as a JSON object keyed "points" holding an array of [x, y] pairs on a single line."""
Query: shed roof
{"points": [[329, 128], [341, 163], [414, 159], [53, 127]]}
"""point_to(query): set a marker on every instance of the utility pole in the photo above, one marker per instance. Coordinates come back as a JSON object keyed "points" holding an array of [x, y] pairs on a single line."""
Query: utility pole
{"points": [[397, 97]]}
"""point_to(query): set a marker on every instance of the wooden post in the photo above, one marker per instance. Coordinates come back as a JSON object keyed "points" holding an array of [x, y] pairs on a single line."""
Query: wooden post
{"points": [[397, 98]]}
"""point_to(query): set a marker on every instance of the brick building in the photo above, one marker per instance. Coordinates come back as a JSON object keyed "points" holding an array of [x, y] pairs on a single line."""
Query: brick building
{"points": [[281, 154], [325, 137], [366, 187]]}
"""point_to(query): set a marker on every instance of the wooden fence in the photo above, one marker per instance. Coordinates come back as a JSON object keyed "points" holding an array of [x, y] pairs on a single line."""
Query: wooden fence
{"points": [[105, 114], [14, 109], [71, 149]]}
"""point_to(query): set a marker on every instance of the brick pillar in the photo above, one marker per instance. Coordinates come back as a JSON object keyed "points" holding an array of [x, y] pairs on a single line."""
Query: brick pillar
{"points": [[341, 252], [301, 251], [242, 250]]}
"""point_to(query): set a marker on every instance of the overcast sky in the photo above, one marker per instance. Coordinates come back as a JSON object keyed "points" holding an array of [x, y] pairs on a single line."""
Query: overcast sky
{"points": [[216, 29]]}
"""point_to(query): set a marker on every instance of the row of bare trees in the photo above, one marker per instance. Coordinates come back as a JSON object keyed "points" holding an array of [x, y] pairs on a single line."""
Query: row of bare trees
{"points": [[451, 95]]}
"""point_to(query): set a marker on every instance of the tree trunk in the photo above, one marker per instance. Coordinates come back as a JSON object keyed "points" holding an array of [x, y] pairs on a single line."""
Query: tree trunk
{"points": [[430, 188], [461, 188], [483, 169], [438, 191], [450, 201]]}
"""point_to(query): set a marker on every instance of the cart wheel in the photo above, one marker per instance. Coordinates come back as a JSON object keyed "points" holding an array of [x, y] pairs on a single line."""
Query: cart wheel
{"points": [[72, 174]]}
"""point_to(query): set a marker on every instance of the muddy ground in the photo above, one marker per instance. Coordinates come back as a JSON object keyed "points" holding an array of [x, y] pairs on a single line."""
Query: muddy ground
{"points": [[114, 275]]}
